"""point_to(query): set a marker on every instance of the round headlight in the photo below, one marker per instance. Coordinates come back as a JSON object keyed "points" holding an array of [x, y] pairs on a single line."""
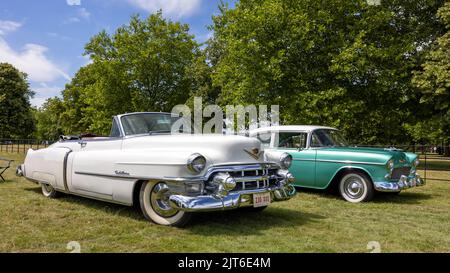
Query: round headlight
{"points": [[416, 162], [285, 160], [196, 163]]}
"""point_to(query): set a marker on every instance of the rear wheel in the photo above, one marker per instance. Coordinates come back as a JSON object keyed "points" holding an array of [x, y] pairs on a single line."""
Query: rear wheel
{"points": [[48, 191], [356, 187], [153, 199]]}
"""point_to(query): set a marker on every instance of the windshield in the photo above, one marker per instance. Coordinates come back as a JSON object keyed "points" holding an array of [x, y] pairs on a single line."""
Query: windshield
{"points": [[327, 138], [147, 123]]}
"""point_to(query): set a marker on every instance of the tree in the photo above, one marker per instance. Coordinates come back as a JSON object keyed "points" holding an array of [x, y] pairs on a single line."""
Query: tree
{"points": [[150, 64], [341, 63], [143, 66], [48, 117], [16, 120], [433, 82]]}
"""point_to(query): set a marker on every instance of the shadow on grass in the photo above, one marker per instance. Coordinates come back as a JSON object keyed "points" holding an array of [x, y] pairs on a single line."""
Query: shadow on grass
{"points": [[7, 181], [405, 197], [330, 192], [233, 222], [401, 198], [112, 208], [243, 222]]}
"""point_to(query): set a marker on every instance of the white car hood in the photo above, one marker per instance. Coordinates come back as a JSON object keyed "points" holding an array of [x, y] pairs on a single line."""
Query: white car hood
{"points": [[218, 149]]}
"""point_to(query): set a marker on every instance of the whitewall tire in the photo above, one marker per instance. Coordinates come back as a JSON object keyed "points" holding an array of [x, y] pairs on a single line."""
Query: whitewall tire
{"points": [[155, 206], [356, 187]]}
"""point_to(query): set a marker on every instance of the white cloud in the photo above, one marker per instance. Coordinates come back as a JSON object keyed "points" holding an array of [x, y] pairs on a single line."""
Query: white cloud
{"points": [[37, 102], [33, 61], [73, 2], [72, 20], [43, 92], [176, 8], [46, 90], [83, 13], [8, 26]]}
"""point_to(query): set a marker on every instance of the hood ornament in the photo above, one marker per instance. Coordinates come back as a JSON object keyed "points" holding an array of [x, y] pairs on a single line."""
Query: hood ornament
{"points": [[255, 153]]}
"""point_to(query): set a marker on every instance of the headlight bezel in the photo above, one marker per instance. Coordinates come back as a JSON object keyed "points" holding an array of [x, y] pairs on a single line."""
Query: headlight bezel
{"points": [[390, 166], [285, 160], [195, 162]]}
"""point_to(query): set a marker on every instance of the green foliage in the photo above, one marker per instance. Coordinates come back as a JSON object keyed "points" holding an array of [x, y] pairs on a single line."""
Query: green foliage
{"points": [[143, 66], [340, 63], [49, 120], [433, 82], [16, 120]]}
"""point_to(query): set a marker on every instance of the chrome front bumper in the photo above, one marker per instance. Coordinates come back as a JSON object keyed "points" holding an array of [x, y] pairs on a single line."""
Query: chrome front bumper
{"points": [[405, 182], [233, 200]]}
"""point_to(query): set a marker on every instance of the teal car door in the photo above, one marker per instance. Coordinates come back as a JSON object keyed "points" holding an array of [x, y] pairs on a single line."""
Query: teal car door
{"points": [[304, 160]]}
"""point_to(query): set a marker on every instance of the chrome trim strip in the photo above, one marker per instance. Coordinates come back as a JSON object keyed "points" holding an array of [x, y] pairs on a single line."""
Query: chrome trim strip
{"points": [[149, 164], [116, 176], [177, 179], [303, 159], [66, 157], [350, 162]]}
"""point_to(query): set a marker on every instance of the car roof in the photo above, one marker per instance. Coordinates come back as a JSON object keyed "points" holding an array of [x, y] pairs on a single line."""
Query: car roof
{"points": [[291, 128]]}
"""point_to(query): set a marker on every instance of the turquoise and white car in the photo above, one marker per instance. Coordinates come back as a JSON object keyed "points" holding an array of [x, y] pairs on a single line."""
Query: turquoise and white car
{"points": [[322, 158]]}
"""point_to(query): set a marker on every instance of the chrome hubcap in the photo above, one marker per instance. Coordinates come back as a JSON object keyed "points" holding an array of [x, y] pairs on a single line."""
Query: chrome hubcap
{"points": [[354, 187], [159, 199]]}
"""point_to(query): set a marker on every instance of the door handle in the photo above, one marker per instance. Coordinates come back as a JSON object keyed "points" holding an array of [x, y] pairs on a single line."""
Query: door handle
{"points": [[82, 143]]}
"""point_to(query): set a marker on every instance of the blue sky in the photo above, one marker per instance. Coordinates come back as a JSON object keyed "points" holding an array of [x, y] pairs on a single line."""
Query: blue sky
{"points": [[46, 39]]}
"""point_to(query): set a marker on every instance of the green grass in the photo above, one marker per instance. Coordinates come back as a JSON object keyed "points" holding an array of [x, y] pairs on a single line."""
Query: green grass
{"points": [[417, 220]]}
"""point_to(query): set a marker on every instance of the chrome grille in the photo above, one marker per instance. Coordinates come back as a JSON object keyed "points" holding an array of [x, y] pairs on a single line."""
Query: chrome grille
{"points": [[253, 179], [398, 172]]}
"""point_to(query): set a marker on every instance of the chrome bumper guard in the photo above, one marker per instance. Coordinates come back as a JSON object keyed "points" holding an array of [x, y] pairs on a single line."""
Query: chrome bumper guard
{"points": [[405, 182], [233, 200], [19, 171]]}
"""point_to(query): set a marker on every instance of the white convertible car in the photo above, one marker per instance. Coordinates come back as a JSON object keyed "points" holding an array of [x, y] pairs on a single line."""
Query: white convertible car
{"points": [[170, 175]]}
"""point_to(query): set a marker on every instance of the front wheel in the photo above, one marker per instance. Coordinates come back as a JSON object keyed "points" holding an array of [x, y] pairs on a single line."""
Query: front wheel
{"points": [[154, 202], [356, 187]]}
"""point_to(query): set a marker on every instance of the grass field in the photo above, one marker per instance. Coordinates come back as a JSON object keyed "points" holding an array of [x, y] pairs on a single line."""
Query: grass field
{"points": [[417, 220]]}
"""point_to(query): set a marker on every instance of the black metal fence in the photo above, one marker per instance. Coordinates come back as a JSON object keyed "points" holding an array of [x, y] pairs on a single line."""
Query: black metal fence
{"points": [[21, 146], [432, 156]]}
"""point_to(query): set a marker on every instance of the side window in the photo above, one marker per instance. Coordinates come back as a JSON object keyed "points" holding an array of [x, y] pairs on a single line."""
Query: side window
{"points": [[292, 140], [115, 132], [265, 139]]}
